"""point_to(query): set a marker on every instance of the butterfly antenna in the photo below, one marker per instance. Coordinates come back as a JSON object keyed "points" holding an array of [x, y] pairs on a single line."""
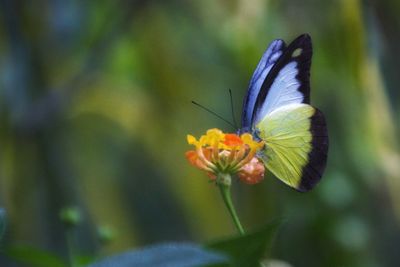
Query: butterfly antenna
{"points": [[232, 110], [215, 114]]}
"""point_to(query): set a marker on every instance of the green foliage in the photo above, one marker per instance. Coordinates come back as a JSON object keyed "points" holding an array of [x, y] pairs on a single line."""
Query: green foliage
{"points": [[95, 106], [247, 250], [3, 223], [105, 234], [163, 255], [84, 260], [34, 257], [70, 216], [240, 251]]}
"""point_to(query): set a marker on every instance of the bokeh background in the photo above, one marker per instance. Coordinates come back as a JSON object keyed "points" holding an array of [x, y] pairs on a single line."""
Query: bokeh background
{"points": [[95, 105]]}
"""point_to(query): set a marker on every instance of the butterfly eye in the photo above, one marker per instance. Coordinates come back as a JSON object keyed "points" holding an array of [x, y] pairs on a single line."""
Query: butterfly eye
{"points": [[297, 52]]}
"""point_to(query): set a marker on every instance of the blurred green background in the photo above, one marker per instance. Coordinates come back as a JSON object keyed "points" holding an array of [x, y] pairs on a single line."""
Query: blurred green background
{"points": [[95, 108]]}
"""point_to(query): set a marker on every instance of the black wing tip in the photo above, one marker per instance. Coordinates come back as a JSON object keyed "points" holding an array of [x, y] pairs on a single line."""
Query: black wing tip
{"points": [[304, 37], [303, 40], [318, 156]]}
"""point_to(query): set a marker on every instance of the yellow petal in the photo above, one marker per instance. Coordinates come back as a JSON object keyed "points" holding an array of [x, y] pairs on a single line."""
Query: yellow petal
{"points": [[212, 138], [246, 137], [215, 132], [248, 140], [191, 139]]}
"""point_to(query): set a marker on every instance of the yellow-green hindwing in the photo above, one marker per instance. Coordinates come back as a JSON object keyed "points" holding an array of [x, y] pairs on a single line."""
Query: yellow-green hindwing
{"points": [[296, 144]]}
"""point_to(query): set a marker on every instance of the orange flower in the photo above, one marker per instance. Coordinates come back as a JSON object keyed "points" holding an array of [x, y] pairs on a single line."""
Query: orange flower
{"points": [[218, 153], [232, 140]]}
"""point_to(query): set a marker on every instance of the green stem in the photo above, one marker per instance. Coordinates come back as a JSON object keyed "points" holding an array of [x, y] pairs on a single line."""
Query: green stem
{"points": [[224, 183], [70, 246]]}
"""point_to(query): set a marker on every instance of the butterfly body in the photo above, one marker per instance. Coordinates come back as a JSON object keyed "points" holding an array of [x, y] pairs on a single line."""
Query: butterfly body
{"points": [[277, 110]]}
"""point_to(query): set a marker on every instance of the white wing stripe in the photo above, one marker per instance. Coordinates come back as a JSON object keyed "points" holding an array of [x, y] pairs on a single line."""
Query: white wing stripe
{"points": [[283, 91]]}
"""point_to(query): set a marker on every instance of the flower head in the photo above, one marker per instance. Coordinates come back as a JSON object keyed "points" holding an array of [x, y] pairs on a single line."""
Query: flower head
{"points": [[218, 152]]}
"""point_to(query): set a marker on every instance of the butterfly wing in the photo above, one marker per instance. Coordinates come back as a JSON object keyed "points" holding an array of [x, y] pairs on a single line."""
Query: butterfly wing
{"points": [[296, 144], [287, 81], [295, 133], [271, 55]]}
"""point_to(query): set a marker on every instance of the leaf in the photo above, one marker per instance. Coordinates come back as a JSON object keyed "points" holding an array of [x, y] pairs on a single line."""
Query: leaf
{"points": [[84, 260], [164, 255], [3, 222], [34, 257], [247, 250]]}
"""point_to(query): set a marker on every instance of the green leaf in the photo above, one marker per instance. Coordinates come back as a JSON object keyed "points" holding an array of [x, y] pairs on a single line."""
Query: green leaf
{"points": [[247, 250], [34, 257], [84, 260], [164, 255], [3, 223]]}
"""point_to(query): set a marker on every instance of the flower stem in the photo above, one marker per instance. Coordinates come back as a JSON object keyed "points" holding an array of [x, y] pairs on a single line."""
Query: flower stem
{"points": [[224, 182], [71, 249]]}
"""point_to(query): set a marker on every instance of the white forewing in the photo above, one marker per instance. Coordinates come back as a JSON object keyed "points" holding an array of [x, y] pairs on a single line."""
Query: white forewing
{"points": [[269, 58], [283, 91], [260, 77]]}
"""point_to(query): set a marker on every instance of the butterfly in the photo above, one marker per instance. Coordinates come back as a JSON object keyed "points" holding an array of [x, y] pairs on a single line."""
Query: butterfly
{"points": [[277, 110]]}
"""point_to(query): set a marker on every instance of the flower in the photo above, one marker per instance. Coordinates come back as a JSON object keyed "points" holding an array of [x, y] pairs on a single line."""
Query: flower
{"points": [[226, 153]]}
